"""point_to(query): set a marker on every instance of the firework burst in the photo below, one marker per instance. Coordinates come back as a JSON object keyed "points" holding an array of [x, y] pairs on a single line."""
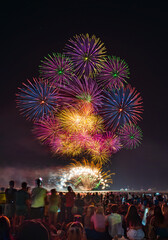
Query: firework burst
{"points": [[57, 68], [84, 176], [112, 141], [114, 73], [46, 129], [130, 135], [75, 121], [121, 106], [81, 92], [96, 147], [37, 99], [87, 54]]}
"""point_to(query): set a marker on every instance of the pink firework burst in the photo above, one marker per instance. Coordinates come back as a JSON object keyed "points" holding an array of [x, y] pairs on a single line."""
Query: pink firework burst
{"points": [[112, 141], [46, 129]]}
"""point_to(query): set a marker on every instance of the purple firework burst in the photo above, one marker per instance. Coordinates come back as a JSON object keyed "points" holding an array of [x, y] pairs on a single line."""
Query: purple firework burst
{"points": [[57, 68], [84, 90], [46, 129], [87, 54], [113, 73], [37, 99], [130, 135], [121, 106]]}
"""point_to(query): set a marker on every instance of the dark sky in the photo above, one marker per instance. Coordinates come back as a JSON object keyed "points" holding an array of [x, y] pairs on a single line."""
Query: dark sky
{"points": [[136, 31]]}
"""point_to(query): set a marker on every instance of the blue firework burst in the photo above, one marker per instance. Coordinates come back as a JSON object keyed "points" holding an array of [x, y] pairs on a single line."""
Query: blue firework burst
{"points": [[37, 99], [57, 68], [87, 54], [121, 106], [130, 136]]}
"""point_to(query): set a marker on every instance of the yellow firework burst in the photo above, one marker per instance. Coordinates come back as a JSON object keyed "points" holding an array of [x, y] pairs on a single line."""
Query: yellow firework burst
{"points": [[75, 121], [98, 150]]}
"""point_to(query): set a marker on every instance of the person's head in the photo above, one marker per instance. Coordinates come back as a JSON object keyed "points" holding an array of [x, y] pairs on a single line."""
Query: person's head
{"points": [[4, 228], [11, 184], [114, 208], [2, 189], [69, 189], [90, 210], [53, 191], [61, 194], [132, 216], [33, 230], [78, 195], [24, 186], [100, 210], [75, 231], [39, 182], [165, 209], [157, 211], [159, 218]]}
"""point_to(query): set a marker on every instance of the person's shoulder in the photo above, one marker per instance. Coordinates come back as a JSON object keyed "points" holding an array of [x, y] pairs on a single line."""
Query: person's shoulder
{"points": [[44, 190]]}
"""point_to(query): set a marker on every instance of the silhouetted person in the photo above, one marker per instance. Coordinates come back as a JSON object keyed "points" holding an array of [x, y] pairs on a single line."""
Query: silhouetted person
{"points": [[61, 215], [10, 200], [2, 198], [5, 229], [38, 197], [33, 230], [22, 203], [70, 199]]}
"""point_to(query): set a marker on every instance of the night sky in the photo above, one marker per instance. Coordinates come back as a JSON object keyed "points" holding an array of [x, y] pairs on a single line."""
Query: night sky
{"points": [[136, 31]]}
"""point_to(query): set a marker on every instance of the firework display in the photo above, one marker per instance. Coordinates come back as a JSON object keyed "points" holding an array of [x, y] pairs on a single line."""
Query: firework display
{"points": [[83, 106]]}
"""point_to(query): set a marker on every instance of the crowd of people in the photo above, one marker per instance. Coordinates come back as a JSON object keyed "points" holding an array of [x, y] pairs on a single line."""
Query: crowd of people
{"points": [[42, 215]]}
